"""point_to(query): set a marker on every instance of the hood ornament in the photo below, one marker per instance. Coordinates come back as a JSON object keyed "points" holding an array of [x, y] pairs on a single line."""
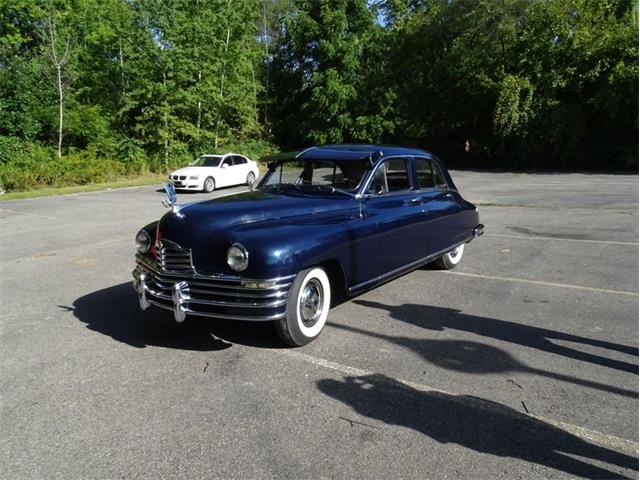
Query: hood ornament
{"points": [[171, 199], [170, 190]]}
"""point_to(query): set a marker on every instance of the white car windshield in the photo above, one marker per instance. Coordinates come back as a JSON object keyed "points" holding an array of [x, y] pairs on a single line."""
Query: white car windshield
{"points": [[206, 161]]}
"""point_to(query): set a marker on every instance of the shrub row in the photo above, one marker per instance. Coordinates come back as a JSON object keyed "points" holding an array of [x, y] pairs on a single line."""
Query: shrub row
{"points": [[29, 166]]}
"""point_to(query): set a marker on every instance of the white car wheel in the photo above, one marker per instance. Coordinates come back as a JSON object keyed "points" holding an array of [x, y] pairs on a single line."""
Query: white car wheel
{"points": [[209, 185], [251, 178], [307, 307], [451, 259]]}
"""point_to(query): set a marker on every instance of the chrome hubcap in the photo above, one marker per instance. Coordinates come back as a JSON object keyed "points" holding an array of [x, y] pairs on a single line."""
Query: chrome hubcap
{"points": [[311, 302]]}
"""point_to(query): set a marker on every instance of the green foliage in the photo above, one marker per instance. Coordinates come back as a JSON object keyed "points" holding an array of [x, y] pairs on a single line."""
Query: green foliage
{"points": [[151, 84]]}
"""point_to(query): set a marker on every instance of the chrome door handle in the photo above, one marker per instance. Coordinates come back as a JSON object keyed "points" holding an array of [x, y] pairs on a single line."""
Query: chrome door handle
{"points": [[448, 195], [415, 201]]}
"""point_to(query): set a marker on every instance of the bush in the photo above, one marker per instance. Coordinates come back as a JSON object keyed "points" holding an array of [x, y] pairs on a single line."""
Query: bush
{"points": [[28, 166]]}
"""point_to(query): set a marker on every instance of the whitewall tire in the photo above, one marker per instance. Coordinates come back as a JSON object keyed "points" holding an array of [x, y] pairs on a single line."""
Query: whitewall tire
{"points": [[452, 259], [308, 305]]}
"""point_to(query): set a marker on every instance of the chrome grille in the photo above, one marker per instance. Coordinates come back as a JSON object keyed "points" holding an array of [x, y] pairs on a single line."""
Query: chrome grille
{"points": [[173, 258], [220, 296]]}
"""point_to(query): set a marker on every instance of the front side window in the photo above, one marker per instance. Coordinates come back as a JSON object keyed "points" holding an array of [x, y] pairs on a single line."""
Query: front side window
{"points": [[391, 176], [206, 162], [237, 160], [429, 174]]}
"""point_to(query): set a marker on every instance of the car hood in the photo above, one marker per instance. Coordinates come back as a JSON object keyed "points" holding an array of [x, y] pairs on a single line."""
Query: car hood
{"points": [[251, 217]]}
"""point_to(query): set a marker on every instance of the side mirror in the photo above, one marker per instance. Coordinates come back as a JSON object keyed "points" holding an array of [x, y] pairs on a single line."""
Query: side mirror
{"points": [[224, 165]]}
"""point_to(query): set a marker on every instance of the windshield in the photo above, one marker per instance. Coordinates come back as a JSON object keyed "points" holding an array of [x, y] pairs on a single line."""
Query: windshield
{"points": [[318, 175], [206, 161]]}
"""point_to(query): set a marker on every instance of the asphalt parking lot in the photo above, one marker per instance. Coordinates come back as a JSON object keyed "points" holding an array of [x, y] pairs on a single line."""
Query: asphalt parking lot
{"points": [[521, 363]]}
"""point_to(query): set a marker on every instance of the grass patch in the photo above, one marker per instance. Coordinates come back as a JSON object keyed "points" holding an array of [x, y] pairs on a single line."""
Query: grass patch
{"points": [[149, 179]]}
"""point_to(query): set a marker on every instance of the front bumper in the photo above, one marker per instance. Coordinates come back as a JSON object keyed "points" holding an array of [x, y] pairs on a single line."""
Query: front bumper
{"points": [[186, 184], [219, 296]]}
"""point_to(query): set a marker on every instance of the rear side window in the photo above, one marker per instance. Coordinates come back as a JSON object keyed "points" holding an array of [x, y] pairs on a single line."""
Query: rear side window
{"points": [[391, 176], [239, 160], [429, 174]]}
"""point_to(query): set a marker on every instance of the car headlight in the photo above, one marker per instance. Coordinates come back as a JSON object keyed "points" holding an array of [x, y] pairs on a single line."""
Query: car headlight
{"points": [[193, 177], [237, 257], [143, 242]]}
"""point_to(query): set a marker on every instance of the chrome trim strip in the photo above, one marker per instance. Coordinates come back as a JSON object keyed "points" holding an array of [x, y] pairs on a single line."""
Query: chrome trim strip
{"points": [[279, 293], [264, 318], [186, 299], [217, 278]]}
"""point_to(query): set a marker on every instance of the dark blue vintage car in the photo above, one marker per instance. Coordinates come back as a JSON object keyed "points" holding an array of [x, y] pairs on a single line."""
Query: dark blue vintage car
{"points": [[323, 224]]}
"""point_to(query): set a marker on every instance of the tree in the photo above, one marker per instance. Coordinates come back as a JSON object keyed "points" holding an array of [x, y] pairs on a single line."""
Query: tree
{"points": [[57, 47]]}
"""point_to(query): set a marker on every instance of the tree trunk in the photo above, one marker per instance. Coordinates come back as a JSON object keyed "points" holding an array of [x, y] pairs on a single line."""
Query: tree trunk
{"points": [[60, 108], [199, 102], [266, 57], [224, 67], [165, 121], [121, 66]]}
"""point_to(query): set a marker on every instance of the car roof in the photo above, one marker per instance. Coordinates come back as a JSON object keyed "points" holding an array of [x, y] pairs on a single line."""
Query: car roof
{"points": [[348, 152]]}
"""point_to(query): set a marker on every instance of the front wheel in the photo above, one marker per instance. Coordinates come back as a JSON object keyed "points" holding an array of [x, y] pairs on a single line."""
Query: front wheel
{"points": [[307, 307], [209, 185], [451, 259]]}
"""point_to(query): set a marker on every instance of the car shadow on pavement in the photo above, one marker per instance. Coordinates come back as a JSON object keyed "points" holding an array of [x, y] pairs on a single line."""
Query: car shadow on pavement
{"points": [[438, 319], [115, 312], [476, 424], [477, 358]]}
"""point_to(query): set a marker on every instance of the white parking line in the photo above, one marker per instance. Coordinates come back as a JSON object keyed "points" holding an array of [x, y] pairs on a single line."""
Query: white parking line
{"points": [[540, 237], [545, 284], [609, 441]]}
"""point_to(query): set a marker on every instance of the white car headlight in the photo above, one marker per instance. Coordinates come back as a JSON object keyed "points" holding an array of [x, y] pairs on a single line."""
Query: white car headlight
{"points": [[143, 242], [193, 177], [237, 257]]}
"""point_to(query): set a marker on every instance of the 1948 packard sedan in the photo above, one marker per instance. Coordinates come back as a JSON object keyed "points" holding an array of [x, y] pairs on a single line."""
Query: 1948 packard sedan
{"points": [[323, 224]]}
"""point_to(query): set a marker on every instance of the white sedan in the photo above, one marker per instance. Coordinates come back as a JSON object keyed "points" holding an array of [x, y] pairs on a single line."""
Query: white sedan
{"points": [[214, 171]]}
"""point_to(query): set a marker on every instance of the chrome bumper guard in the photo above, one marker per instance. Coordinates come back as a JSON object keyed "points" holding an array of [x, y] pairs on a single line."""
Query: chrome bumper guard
{"points": [[479, 230], [225, 297]]}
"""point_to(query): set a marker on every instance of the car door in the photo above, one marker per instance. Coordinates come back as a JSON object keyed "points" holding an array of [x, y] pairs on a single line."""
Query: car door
{"points": [[225, 173], [396, 208], [241, 166], [439, 203]]}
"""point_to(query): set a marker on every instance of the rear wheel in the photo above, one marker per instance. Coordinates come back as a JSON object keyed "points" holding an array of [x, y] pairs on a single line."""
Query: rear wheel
{"points": [[451, 259], [307, 307], [251, 178], [209, 185]]}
